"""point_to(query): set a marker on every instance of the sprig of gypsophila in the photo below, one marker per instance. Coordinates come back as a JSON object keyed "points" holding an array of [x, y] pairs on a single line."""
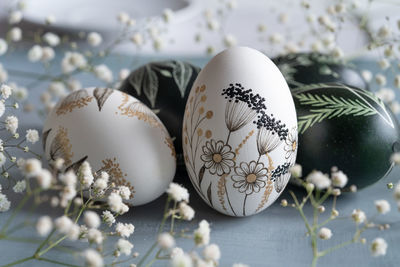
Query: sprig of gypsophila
{"points": [[81, 197], [76, 58], [319, 188], [10, 140]]}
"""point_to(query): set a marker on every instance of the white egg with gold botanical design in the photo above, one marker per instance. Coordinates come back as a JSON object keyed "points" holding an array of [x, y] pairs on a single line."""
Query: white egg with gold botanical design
{"points": [[115, 133], [240, 132]]}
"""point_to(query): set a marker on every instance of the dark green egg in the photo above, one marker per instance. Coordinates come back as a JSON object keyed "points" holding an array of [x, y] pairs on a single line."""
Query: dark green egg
{"points": [[310, 68], [164, 87], [345, 127]]}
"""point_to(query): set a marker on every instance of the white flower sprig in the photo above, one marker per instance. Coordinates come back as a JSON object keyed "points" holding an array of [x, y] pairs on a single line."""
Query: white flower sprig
{"points": [[319, 188]]}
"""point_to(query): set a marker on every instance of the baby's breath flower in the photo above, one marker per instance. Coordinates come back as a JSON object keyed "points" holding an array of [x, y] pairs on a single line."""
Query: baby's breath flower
{"points": [[51, 39], [2, 109], [137, 39], [15, 34], [382, 206], [186, 211], [15, 17], [339, 179], [380, 79], [68, 193], [276, 38], [93, 258], [108, 217], [123, 74], [124, 192], [54, 201], [358, 216], [202, 234], [284, 203], [44, 178], [321, 209], [73, 61], [78, 202], [213, 25], [367, 75], [386, 94], [48, 54], [337, 52], [68, 178], [123, 17], [181, 260], [91, 219], [230, 40], [85, 174], [44, 225], [32, 136], [11, 124], [124, 229], [384, 63], [325, 233], [4, 203], [124, 246], [63, 224], [20, 186], [103, 73], [167, 15], [212, 253], [50, 19], [378, 247], [176, 252], [384, 31], [35, 53], [94, 39], [32, 167], [165, 241], [3, 48], [334, 213], [395, 158], [178, 192], [353, 188], [57, 89], [95, 236], [296, 170], [73, 232], [115, 203], [320, 180]]}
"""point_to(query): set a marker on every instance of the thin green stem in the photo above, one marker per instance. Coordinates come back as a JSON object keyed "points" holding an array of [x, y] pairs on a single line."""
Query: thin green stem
{"points": [[18, 262]]}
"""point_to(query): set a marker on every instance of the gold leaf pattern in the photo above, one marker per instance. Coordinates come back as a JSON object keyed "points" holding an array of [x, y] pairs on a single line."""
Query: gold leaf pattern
{"points": [[265, 197], [112, 167], [243, 143], [61, 146], [142, 112], [221, 191], [77, 99]]}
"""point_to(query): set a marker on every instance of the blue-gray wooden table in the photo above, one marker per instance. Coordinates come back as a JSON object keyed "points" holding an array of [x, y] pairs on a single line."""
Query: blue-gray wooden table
{"points": [[275, 237]]}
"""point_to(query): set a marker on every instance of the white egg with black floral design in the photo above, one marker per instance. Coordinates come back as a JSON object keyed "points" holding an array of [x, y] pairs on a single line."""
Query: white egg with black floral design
{"points": [[115, 133], [239, 132]]}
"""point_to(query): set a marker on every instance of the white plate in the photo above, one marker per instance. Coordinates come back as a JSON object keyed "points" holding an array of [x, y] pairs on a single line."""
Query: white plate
{"points": [[101, 15]]}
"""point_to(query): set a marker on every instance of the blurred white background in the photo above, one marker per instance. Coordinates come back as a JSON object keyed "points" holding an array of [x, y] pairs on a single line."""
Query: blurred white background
{"points": [[242, 22]]}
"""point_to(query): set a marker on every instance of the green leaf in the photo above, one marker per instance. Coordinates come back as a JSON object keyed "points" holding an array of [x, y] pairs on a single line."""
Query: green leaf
{"points": [[150, 85], [166, 73], [328, 107], [182, 73], [136, 79]]}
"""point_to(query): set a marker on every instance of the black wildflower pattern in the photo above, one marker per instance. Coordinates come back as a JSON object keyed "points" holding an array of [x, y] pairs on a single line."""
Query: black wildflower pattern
{"points": [[281, 176]]}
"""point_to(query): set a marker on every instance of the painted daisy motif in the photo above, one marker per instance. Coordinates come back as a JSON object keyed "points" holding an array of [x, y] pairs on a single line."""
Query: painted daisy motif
{"points": [[291, 143], [250, 177], [218, 157]]}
